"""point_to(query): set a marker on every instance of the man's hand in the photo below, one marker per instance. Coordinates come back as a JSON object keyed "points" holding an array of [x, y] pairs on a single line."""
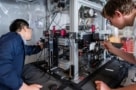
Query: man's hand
{"points": [[101, 86], [35, 87], [30, 87], [41, 44], [107, 45]]}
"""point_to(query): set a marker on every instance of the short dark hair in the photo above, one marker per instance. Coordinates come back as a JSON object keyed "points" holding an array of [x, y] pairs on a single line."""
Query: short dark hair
{"points": [[124, 6], [17, 25]]}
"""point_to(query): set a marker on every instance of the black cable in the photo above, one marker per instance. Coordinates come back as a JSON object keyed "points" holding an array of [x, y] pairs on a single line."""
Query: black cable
{"points": [[54, 16]]}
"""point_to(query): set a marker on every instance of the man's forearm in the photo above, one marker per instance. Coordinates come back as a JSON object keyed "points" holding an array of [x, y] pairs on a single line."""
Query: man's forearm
{"points": [[124, 55], [130, 87]]}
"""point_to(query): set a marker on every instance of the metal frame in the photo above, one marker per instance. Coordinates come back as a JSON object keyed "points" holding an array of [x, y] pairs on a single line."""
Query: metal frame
{"points": [[74, 8], [74, 28]]}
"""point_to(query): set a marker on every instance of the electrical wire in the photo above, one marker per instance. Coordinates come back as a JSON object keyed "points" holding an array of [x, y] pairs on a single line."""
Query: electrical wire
{"points": [[54, 16], [57, 23]]}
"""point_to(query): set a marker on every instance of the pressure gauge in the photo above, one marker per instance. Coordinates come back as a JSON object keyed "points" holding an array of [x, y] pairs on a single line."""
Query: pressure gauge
{"points": [[91, 12]]}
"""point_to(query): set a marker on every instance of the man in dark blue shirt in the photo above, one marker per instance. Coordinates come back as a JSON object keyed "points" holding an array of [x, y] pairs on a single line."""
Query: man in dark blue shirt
{"points": [[12, 56]]}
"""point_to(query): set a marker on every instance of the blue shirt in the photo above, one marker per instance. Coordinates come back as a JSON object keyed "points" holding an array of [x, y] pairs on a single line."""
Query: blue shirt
{"points": [[12, 56]]}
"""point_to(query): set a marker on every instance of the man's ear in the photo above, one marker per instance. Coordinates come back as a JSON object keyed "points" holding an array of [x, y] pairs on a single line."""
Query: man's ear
{"points": [[118, 13], [24, 28]]}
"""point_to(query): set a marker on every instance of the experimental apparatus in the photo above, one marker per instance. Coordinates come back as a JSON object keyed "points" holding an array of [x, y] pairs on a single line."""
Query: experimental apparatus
{"points": [[75, 52]]}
